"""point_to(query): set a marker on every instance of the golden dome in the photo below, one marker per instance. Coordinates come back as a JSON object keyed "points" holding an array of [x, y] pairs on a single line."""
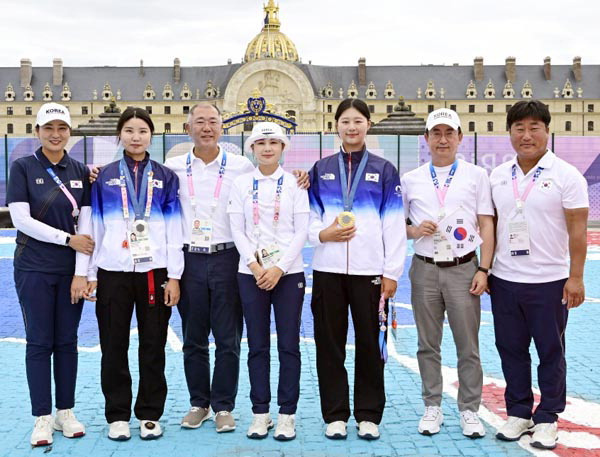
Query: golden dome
{"points": [[270, 43]]}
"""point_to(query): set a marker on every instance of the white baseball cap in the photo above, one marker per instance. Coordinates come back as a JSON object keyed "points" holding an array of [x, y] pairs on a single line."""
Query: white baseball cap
{"points": [[264, 130], [443, 116], [51, 112]]}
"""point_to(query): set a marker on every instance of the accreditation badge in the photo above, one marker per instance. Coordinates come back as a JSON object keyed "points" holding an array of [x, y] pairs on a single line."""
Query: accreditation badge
{"points": [[442, 248], [139, 242], [268, 255], [346, 219], [518, 236], [201, 238]]}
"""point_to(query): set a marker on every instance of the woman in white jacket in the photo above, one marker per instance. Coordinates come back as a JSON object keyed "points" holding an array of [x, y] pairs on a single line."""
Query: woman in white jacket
{"points": [[269, 217]]}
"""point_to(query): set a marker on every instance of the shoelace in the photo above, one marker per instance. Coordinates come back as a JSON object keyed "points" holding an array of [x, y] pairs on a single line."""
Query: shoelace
{"points": [[42, 422], [545, 427], [68, 415], [470, 417], [223, 413], [288, 420], [431, 413]]}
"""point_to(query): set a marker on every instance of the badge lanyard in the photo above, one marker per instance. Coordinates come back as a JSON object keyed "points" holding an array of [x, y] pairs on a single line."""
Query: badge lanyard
{"points": [[382, 329], [126, 183], [441, 193], [255, 213], [63, 188], [218, 186], [520, 199], [350, 191]]}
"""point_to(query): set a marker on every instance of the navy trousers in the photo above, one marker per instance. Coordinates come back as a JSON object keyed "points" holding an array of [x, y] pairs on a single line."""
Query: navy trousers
{"points": [[287, 298], [522, 312], [51, 324], [210, 301]]}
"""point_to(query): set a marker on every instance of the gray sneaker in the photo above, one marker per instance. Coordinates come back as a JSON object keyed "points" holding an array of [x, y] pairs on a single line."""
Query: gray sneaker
{"points": [[195, 417], [224, 422]]}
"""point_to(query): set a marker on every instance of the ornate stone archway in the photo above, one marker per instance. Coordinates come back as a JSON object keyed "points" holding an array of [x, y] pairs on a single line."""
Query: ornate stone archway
{"points": [[283, 84]]}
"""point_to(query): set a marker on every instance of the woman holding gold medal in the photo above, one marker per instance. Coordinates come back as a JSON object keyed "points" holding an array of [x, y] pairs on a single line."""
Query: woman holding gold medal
{"points": [[357, 227], [137, 263], [269, 221]]}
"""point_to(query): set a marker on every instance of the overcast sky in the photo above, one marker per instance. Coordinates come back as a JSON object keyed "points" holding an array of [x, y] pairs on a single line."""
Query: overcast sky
{"points": [[326, 32]]}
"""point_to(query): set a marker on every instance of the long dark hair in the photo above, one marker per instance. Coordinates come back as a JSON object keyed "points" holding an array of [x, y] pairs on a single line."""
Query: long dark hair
{"points": [[356, 103]]}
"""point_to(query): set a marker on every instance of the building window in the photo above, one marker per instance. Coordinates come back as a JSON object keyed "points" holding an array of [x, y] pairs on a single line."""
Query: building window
{"points": [[568, 126], [508, 107], [84, 110], [567, 108], [591, 108], [329, 108], [10, 128], [490, 108], [389, 109], [149, 109], [330, 126], [490, 126], [9, 110], [430, 108], [167, 127], [28, 110], [167, 110], [453, 107], [28, 128], [590, 126], [471, 108], [186, 109], [471, 126], [371, 108]]}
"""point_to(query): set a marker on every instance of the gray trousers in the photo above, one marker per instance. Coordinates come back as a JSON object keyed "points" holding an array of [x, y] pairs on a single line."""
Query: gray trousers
{"points": [[434, 291]]}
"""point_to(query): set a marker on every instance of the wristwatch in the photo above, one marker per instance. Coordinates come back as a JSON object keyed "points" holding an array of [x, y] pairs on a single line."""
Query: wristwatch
{"points": [[484, 270], [68, 240]]}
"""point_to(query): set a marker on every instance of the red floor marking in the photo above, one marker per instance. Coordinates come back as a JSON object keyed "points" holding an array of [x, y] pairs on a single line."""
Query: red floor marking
{"points": [[493, 399]]}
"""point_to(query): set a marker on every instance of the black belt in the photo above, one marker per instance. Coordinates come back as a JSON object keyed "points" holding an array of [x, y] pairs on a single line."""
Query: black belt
{"points": [[219, 247], [450, 263]]}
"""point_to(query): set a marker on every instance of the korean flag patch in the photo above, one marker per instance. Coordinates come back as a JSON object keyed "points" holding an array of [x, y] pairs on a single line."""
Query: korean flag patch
{"points": [[373, 177], [76, 184], [158, 183]]}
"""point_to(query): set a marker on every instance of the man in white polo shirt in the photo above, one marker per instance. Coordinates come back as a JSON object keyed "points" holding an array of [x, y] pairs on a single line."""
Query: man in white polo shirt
{"points": [[445, 201], [542, 207]]}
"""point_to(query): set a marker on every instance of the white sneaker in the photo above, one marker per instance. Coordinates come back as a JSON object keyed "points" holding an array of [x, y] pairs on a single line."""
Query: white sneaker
{"points": [[42, 431], [260, 426], [336, 430], [150, 430], [545, 435], [431, 420], [471, 425], [119, 431], [368, 430], [514, 428], [66, 422], [286, 427]]}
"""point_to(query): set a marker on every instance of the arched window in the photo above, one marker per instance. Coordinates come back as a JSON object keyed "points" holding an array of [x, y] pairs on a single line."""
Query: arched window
{"points": [[490, 126], [590, 126], [568, 126]]}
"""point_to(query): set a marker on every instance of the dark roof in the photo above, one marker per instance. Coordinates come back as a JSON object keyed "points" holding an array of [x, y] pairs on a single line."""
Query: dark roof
{"points": [[406, 80]]}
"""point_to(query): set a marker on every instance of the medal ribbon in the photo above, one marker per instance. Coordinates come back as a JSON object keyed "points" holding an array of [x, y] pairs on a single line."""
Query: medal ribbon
{"points": [[218, 186], [146, 191], [277, 210], [520, 199], [382, 329], [350, 191], [441, 193], [63, 188]]}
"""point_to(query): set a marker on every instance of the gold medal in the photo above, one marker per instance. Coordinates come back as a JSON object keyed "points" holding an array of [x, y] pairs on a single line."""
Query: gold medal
{"points": [[346, 219]]}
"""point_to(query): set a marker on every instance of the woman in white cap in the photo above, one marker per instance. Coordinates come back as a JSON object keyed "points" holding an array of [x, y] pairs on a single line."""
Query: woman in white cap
{"points": [[358, 230], [137, 264], [269, 220], [48, 197]]}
